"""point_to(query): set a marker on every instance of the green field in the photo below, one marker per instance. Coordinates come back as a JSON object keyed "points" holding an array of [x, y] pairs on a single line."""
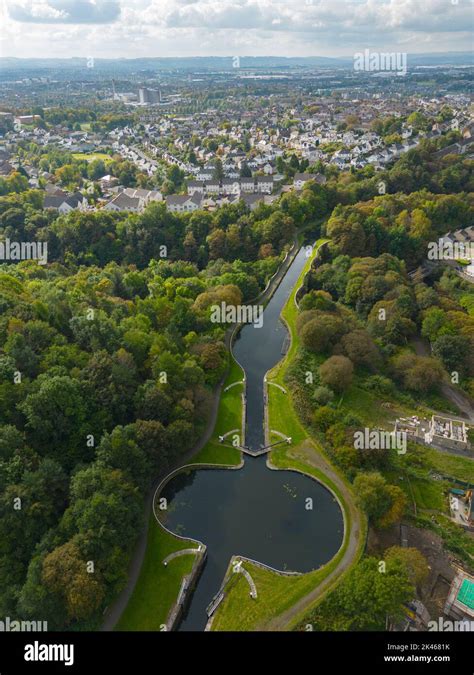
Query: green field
{"points": [[422, 492], [413, 474], [451, 465], [90, 157]]}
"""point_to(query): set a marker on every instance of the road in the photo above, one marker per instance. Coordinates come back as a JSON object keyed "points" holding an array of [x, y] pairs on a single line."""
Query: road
{"points": [[451, 393]]}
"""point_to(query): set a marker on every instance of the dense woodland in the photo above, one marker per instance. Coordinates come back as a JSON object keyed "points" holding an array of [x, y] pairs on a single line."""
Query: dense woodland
{"points": [[359, 321], [106, 381], [108, 357]]}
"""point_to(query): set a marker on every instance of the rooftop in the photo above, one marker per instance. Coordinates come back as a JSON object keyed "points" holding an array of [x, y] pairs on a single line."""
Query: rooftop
{"points": [[466, 593]]}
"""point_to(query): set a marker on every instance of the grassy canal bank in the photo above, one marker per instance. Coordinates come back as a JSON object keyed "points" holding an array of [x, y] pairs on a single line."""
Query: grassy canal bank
{"points": [[283, 599], [158, 586]]}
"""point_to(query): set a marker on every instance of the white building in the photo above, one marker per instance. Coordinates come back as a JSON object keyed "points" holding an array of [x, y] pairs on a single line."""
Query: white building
{"points": [[183, 203]]}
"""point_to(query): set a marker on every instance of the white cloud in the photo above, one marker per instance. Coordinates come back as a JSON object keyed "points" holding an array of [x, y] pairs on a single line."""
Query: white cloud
{"points": [[64, 11], [204, 27]]}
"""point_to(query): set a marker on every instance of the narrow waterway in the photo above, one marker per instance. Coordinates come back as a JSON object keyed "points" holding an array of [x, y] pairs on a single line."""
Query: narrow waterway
{"points": [[254, 511]]}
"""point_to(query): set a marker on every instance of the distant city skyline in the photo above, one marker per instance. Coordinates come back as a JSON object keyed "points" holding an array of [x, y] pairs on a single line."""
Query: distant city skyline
{"points": [[147, 28]]}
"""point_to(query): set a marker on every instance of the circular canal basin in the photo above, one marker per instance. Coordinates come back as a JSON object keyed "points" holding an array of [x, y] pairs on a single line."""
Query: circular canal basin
{"points": [[280, 518]]}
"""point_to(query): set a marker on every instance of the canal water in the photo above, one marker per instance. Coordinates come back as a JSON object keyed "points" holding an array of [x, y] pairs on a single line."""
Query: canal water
{"points": [[254, 511]]}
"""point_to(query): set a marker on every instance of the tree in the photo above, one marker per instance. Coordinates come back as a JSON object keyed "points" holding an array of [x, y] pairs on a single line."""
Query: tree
{"points": [[384, 504], [324, 417], [218, 173], [337, 373], [370, 489], [212, 360], [105, 511], [175, 176], [57, 417], [17, 348], [11, 441], [153, 403], [69, 175], [394, 513], [456, 353], [217, 244], [418, 121], [414, 561], [138, 343], [321, 331], [245, 171], [111, 382], [17, 182], [96, 169], [352, 121], [420, 226], [150, 436], [178, 437], [419, 373], [42, 492], [118, 450], [323, 395], [347, 458], [65, 574], [320, 300], [360, 348], [433, 324], [365, 597], [349, 237]]}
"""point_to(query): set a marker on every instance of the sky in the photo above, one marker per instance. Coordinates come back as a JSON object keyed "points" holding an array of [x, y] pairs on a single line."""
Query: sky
{"points": [[146, 28]]}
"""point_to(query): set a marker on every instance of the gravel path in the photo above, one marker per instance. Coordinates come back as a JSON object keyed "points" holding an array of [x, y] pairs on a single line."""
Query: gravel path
{"points": [[317, 460]]}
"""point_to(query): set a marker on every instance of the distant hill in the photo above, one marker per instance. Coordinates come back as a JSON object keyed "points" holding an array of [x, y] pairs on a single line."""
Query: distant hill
{"points": [[219, 63]]}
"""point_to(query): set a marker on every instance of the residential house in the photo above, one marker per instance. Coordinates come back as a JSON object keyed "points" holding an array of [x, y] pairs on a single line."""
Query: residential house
{"points": [[65, 204], [123, 202], [301, 179], [252, 200], [183, 203], [265, 184], [146, 196], [247, 185], [198, 186]]}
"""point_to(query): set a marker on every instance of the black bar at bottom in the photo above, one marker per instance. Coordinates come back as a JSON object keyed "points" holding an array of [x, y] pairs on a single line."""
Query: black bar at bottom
{"points": [[137, 652]]}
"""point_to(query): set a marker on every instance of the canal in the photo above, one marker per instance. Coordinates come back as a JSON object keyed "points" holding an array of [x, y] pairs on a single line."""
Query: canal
{"points": [[254, 511]]}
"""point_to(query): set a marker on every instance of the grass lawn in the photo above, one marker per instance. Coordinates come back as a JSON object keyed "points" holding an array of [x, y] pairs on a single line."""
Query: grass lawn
{"points": [[216, 453], [275, 594], [367, 406], [281, 416], [158, 586], [417, 482], [230, 406], [424, 491], [228, 419], [428, 494], [451, 465], [90, 157]]}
